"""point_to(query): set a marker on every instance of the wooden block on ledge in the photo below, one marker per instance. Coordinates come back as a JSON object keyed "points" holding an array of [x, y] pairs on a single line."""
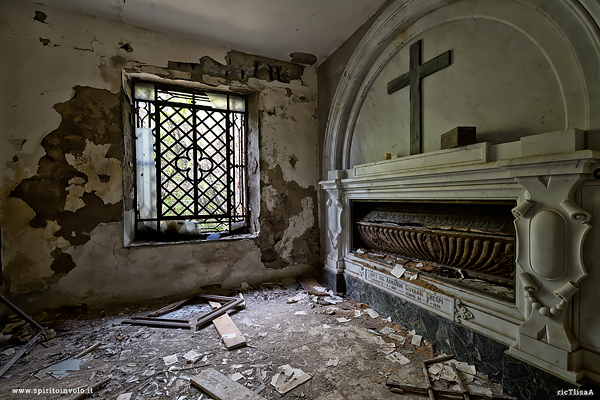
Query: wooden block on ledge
{"points": [[459, 136]]}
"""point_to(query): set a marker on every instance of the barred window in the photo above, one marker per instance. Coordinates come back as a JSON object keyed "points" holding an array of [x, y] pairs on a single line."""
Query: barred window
{"points": [[190, 162]]}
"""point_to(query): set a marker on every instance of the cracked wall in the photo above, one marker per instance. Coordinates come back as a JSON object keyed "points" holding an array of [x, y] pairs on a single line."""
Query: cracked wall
{"points": [[65, 165]]}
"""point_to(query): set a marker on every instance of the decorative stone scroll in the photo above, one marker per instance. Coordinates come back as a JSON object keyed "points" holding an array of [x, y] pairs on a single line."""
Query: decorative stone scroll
{"points": [[335, 224], [551, 229]]}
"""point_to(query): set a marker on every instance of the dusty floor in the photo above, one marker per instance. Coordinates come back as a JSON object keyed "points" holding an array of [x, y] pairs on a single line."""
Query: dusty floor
{"points": [[339, 345]]}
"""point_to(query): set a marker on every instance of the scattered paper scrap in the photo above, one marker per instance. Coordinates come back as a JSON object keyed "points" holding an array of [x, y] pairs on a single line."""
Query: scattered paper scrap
{"points": [[398, 358], [333, 299], [386, 330], [297, 298], [448, 374], [342, 320], [416, 340], [170, 360], [372, 313], [398, 271]]}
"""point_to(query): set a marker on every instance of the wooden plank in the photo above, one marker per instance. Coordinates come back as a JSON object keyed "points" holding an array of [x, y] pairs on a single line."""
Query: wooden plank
{"points": [[309, 286], [221, 387], [226, 327], [218, 312]]}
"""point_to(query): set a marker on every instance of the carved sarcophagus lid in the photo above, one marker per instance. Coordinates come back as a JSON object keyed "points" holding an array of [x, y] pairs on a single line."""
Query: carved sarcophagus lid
{"points": [[472, 237]]}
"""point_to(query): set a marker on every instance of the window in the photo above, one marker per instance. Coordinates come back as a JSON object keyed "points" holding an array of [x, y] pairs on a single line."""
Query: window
{"points": [[190, 151]]}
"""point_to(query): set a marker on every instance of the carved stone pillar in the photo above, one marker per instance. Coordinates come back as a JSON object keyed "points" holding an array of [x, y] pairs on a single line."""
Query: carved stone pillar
{"points": [[336, 230], [551, 229]]}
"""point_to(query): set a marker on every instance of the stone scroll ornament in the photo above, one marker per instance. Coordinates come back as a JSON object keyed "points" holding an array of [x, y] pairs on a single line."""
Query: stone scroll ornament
{"points": [[334, 216], [550, 233]]}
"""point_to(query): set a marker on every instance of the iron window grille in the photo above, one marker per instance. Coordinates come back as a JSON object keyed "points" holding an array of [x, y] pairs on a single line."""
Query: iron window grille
{"points": [[190, 161]]}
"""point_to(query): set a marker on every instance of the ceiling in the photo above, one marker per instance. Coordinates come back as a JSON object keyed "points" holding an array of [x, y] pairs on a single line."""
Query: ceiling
{"points": [[271, 28]]}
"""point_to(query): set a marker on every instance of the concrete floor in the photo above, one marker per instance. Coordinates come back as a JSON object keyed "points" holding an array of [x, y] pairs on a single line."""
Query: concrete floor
{"points": [[337, 344]]}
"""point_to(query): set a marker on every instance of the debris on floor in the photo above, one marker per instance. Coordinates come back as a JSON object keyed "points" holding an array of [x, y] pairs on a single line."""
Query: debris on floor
{"points": [[296, 345]]}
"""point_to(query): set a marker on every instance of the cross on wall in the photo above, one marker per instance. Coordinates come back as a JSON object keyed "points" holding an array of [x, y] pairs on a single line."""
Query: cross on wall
{"points": [[413, 79]]}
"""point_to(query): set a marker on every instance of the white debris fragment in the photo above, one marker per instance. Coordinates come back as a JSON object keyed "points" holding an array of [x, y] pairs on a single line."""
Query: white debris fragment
{"points": [[236, 377], [360, 251], [399, 338], [229, 336], [125, 396], [288, 378], [357, 313], [333, 299], [192, 356], [414, 277], [398, 271], [300, 313], [398, 358], [148, 372], [476, 389], [372, 313], [247, 322], [263, 334], [320, 289], [170, 360], [325, 326], [436, 369], [416, 340], [419, 265], [296, 298], [379, 340], [124, 355], [333, 362], [464, 367], [342, 320], [448, 374], [386, 330], [387, 350]]}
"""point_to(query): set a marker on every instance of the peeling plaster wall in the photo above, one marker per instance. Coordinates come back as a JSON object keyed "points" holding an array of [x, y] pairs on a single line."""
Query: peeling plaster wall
{"points": [[64, 163]]}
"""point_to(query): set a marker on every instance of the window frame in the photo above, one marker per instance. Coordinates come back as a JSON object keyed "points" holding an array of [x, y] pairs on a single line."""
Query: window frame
{"points": [[251, 170]]}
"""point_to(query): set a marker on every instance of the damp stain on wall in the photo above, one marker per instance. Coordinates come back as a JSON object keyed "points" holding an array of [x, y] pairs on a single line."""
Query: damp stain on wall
{"points": [[78, 182]]}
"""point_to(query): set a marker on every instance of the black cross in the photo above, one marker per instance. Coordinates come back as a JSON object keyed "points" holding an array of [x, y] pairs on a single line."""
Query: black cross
{"points": [[413, 78]]}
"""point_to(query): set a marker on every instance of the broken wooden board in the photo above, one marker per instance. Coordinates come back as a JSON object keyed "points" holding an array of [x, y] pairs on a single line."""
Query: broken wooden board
{"points": [[221, 387], [231, 335], [310, 285]]}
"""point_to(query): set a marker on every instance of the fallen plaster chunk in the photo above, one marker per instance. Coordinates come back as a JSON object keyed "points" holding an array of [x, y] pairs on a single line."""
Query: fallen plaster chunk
{"points": [[448, 374], [325, 326], [342, 320], [59, 370], [416, 340], [436, 369], [414, 277], [333, 362], [464, 367], [320, 289], [419, 265], [300, 313], [387, 350], [398, 271], [170, 360], [379, 340], [333, 299], [236, 377], [398, 358], [263, 334], [296, 298], [372, 313], [192, 356], [476, 389], [399, 338], [357, 313], [388, 345], [125, 396], [41, 373], [387, 330], [288, 378]]}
